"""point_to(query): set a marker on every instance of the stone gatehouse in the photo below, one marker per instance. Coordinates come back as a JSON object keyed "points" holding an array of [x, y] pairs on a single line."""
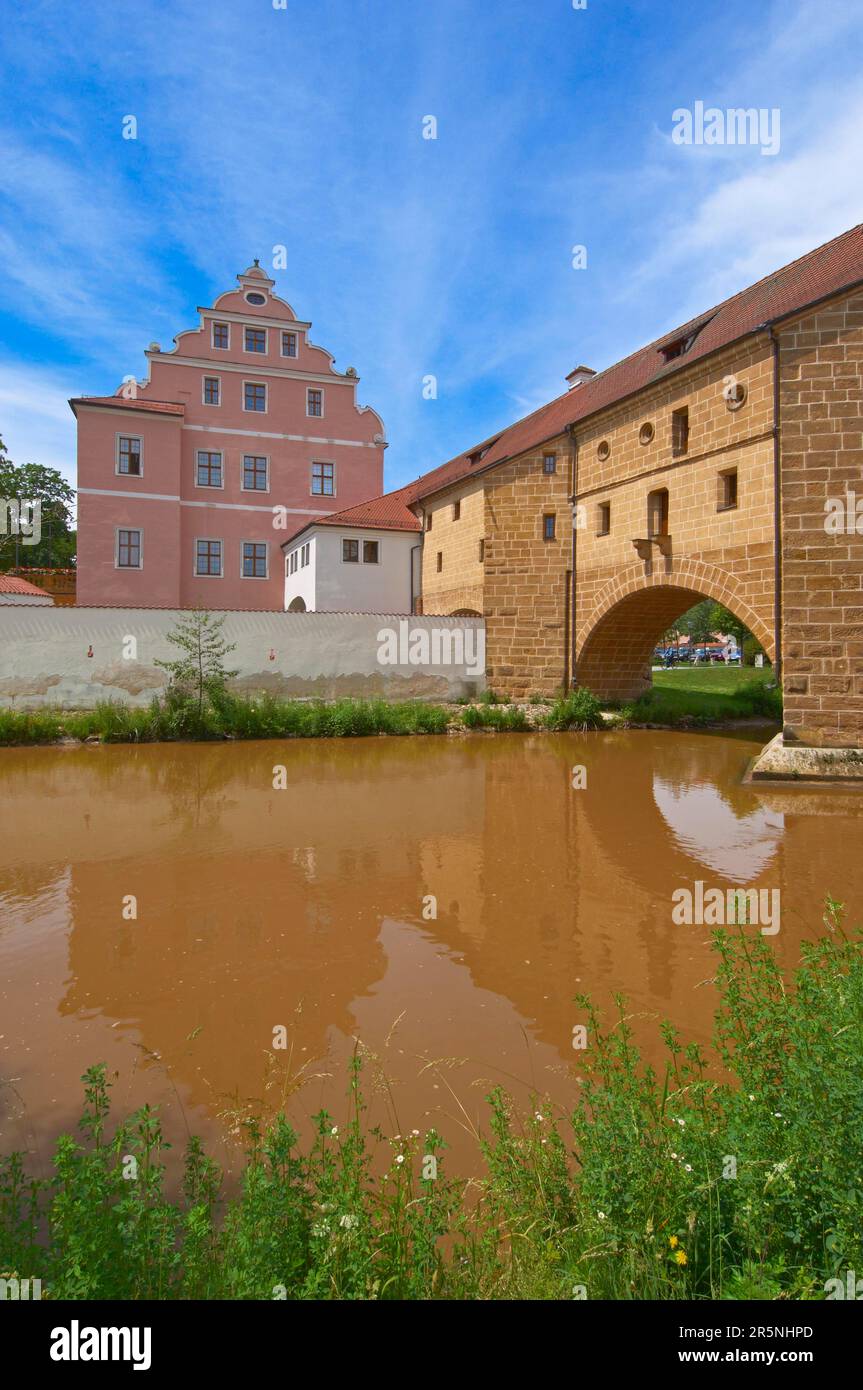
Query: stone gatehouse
{"points": [[704, 465]]}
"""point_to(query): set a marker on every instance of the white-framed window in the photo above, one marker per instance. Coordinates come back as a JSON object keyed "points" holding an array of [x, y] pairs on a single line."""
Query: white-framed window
{"points": [[290, 343], [255, 560], [315, 401], [211, 390], [255, 396], [128, 548], [350, 552], [371, 552], [254, 339], [208, 468], [129, 461], [221, 338], [323, 480], [292, 562], [208, 558], [304, 554], [256, 473]]}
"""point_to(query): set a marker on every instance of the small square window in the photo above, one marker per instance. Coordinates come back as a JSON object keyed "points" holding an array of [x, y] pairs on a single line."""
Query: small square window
{"points": [[323, 479], [680, 430], [548, 527], [254, 560], [657, 512], [255, 396], [370, 552], [314, 402], [128, 550], [549, 463], [727, 490], [208, 469], [255, 470], [603, 519], [351, 552], [255, 340], [289, 344], [211, 390], [221, 336], [208, 557], [129, 455]]}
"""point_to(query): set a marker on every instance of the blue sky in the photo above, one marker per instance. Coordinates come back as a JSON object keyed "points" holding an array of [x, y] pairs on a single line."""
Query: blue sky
{"points": [[260, 127]]}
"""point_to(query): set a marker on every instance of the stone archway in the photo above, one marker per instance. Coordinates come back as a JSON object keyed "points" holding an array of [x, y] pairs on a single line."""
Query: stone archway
{"points": [[615, 644], [465, 613]]}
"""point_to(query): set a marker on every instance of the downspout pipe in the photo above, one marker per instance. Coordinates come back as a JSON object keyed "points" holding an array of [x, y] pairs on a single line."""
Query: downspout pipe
{"points": [[414, 549], [777, 511], [572, 628]]}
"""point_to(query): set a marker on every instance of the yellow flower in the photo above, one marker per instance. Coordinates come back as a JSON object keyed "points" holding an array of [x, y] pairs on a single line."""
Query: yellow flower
{"points": [[680, 1257], [672, 1241]]}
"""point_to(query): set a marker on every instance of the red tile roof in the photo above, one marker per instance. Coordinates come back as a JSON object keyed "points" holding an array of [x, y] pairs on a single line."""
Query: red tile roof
{"points": [[819, 274], [135, 403], [387, 513], [11, 584]]}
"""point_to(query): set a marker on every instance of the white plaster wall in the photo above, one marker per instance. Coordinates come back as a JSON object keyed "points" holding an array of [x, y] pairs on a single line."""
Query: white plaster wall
{"points": [[329, 585], [302, 584], [44, 656]]}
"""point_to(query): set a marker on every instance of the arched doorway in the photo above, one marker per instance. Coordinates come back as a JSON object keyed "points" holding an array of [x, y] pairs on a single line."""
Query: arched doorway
{"points": [[297, 605], [465, 613], [615, 646]]}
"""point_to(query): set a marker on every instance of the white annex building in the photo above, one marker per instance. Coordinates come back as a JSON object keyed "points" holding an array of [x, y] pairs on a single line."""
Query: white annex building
{"points": [[365, 559]]}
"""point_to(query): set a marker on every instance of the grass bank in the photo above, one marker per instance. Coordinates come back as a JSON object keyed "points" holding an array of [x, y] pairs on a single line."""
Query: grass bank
{"points": [[236, 717], [660, 1185], [706, 695]]}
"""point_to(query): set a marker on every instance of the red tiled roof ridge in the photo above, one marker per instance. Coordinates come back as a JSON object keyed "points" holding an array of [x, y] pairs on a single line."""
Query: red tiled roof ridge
{"points": [[447, 474], [13, 584], [130, 403]]}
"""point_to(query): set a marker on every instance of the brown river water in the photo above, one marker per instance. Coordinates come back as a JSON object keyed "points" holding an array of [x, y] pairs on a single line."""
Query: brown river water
{"points": [[304, 908]]}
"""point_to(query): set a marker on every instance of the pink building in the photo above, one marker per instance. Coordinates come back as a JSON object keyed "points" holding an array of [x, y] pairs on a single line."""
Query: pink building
{"points": [[189, 482]]}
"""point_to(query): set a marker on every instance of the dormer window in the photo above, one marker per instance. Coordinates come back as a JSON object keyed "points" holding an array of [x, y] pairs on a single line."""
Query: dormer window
{"points": [[679, 346]]}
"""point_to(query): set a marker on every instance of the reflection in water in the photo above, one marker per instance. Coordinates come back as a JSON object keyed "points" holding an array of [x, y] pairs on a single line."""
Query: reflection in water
{"points": [[304, 908], [739, 847]]}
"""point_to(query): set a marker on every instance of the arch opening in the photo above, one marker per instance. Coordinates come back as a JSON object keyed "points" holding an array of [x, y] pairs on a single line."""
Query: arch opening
{"points": [[297, 605], [615, 659], [465, 613]]}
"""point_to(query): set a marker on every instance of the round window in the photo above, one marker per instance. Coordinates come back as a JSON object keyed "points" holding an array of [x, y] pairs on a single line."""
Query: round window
{"points": [[645, 434], [254, 298], [603, 450], [735, 395]]}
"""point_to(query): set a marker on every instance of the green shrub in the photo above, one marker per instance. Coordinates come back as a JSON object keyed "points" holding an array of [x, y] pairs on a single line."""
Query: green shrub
{"points": [[579, 709], [750, 649], [507, 719], [738, 1173]]}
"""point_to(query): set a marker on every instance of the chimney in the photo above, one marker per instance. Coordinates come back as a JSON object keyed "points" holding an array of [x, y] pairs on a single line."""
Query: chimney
{"points": [[579, 376]]}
